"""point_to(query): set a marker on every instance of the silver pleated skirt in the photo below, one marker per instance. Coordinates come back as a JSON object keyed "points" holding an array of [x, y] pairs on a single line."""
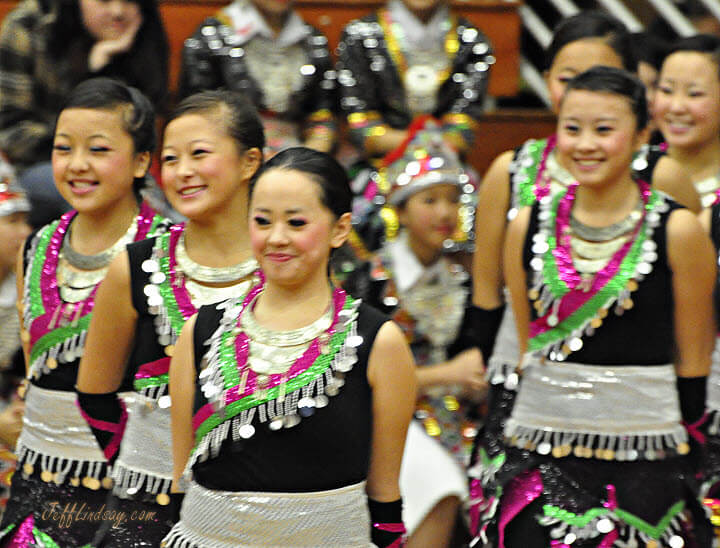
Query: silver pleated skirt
{"points": [[338, 518]]}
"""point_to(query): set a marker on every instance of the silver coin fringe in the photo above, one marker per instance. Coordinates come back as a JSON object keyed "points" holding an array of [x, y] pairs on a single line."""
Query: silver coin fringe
{"points": [[155, 392], [66, 351], [155, 303], [616, 447], [550, 302], [287, 410], [129, 482], [60, 467], [628, 536], [502, 372]]}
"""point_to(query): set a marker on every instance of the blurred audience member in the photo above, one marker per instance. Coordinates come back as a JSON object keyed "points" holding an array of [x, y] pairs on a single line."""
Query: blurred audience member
{"points": [[265, 50]]}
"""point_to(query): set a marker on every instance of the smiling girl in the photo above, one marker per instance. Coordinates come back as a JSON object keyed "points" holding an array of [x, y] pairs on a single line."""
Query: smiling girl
{"points": [[104, 138], [212, 146], [293, 416], [609, 281]]}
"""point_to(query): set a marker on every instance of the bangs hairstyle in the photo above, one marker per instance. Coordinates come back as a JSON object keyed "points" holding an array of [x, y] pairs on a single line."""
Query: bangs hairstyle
{"points": [[229, 108], [335, 193], [603, 79], [700, 43], [137, 112], [588, 25]]}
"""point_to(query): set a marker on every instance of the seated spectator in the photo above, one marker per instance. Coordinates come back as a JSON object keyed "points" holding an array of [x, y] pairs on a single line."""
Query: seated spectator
{"points": [[46, 48], [265, 50]]}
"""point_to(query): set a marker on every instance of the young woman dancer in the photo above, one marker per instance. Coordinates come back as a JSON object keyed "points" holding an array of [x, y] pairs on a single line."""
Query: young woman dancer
{"points": [[686, 106], [104, 139], [609, 281], [518, 178], [268, 53], [212, 147], [293, 417]]}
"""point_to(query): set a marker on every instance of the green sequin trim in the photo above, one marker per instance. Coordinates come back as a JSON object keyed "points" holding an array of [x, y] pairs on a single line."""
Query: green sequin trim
{"points": [[159, 380], [37, 308], [58, 336], [580, 521], [609, 291], [229, 367], [488, 462], [525, 191], [166, 291]]}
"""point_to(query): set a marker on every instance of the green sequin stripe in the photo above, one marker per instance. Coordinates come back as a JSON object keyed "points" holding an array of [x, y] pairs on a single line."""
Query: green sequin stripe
{"points": [[7, 530], [166, 291], [317, 369], [159, 380], [580, 521], [526, 189], [37, 308], [495, 462], [156, 222], [228, 356], [587, 311], [58, 336]]}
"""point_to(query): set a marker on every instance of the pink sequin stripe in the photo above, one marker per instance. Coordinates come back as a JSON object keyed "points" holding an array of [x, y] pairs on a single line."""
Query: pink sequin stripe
{"points": [[522, 490], [24, 537], [611, 504], [144, 221], [300, 365], [153, 369], [207, 410], [575, 298], [118, 429], [398, 528], [48, 278], [542, 190], [182, 297]]}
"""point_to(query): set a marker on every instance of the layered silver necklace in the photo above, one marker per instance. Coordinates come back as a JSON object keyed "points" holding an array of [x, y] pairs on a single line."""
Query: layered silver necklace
{"points": [[78, 274], [592, 247], [273, 352], [210, 274]]}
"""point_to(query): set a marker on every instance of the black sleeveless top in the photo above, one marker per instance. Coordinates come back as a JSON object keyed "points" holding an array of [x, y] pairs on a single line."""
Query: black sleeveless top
{"points": [[328, 450], [643, 335], [146, 347]]}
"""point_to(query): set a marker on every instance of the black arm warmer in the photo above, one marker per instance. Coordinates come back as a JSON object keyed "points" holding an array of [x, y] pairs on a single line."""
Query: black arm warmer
{"points": [[485, 325], [106, 416], [384, 513], [692, 392]]}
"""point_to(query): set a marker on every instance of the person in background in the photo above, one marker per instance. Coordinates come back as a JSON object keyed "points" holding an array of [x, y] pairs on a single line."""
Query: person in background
{"points": [[427, 294], [47, 47], [265, 50], [410, 67], [686, 109], [104, 139], [14, 230]]}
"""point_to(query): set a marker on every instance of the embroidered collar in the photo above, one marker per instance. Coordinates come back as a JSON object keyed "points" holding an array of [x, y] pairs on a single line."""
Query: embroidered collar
{"points": [[416, 32], [248, 22], [394, 35]]}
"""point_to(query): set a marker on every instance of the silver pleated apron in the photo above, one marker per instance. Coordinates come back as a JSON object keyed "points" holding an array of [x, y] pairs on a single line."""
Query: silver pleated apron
{"points": [[506, 354], [55, 433], [338, 518], [713, 391], [630, 410], [145, 461]]}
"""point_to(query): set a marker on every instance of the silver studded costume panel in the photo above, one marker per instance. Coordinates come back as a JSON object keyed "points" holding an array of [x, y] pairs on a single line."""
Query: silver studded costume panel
{"points": [[223, 519]]}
